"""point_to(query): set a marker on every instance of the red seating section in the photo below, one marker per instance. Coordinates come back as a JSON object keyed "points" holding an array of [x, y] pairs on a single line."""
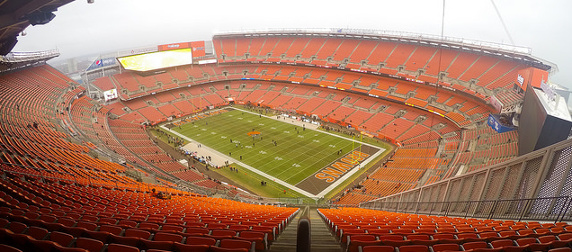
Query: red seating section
{"points": [[33, 145], [35, 217], [344, 80], [366, 55]]}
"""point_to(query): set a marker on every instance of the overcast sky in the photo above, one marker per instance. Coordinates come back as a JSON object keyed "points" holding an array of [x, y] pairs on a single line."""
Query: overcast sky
{"points": [[110, 25]]}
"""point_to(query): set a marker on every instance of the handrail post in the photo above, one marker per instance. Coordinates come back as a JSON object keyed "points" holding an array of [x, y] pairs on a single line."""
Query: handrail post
{"points": [[525, 209], [447, 209], [467, 208], [431, 209], [493, 209], [564, 209], [303, 236]]}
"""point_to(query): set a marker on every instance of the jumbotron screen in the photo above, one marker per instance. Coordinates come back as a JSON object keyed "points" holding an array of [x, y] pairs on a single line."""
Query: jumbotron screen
{"points": [[157, 60]]}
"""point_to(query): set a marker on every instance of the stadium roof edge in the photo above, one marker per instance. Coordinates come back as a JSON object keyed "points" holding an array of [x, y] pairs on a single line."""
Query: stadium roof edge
{"points": [[18, 60], [518, 53], [17, 15]]}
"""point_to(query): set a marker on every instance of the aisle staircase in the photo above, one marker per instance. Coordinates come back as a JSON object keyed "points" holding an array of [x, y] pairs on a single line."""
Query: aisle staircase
{"points": [[322, 239]]}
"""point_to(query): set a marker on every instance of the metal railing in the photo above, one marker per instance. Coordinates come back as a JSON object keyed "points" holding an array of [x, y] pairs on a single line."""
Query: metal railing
{"points": [[534, 185], [541, 209], [304, 232]]}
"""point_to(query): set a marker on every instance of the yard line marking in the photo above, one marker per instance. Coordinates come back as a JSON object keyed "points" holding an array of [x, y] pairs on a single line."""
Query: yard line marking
{"points": [[277, 180]]}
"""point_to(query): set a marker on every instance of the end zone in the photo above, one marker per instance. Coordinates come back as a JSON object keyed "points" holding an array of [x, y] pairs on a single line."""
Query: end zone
{"points": [[331, 176]]}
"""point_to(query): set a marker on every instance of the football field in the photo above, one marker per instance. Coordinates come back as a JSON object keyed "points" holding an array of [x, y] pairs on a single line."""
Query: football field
{"points": [[285, 151]]}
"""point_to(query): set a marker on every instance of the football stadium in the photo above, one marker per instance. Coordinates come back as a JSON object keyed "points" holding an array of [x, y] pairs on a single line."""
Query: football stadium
{"points": [[283, 140]]}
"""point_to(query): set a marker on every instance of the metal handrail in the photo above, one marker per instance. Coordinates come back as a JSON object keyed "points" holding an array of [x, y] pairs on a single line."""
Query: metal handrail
{"points": [[304, 232], [515, 209]]}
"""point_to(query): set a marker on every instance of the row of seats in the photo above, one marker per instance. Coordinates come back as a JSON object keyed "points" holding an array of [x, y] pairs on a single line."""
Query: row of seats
{"points": [[132, 218], [371, 230], [84, 113], [121, 137], [526, 244], [499, 147], [134, 137], [40, 238], [33, 145]]}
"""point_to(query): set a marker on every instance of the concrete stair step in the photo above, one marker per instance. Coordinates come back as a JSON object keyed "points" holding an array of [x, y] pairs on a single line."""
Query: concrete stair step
{"points": [[322, 239], [283, 247]]}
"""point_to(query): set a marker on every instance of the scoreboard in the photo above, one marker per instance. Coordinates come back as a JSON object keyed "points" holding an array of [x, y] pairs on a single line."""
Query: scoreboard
{"points": [[157, 60], [164, 56]]}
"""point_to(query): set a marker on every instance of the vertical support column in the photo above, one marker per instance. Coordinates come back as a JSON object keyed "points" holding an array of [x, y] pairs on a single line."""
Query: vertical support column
{"points": [[482, 189], [543, 172], [561, 184], [520, 176]]}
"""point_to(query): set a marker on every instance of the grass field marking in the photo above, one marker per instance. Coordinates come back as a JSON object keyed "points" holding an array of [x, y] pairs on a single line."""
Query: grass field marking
{"points": [[292, 149], [277, 180], [350, 173], [295, 172], [316, 127], [325, 156], [300, 171]]}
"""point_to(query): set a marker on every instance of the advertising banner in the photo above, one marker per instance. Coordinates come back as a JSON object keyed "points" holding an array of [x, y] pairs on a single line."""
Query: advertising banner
{"points": [[198, 48], [110, 94], [495, 123], [157, 60], [531, 76], [174, 46], [100, 63]]}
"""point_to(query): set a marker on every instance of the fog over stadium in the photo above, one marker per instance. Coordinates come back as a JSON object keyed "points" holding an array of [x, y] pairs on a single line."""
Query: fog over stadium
{"points": [[109, 25]]}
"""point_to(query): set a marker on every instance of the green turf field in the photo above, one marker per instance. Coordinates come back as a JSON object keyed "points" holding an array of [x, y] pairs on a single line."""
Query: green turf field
{"points": [[297, 154]]}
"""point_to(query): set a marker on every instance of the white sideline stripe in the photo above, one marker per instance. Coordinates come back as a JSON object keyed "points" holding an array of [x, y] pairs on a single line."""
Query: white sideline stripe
{"points": [[279, 181]]}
